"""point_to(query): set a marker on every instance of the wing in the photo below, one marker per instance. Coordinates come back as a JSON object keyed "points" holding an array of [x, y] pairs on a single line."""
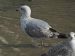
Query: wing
{"points": [[38, 28], [40, 23]]}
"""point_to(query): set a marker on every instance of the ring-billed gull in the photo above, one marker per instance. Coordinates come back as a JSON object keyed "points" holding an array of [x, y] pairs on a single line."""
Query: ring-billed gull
{"points": [[35, 28]]}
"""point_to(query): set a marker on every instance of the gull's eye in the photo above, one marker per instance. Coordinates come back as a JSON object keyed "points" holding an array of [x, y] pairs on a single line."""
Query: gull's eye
{"points": [[22, 9]]}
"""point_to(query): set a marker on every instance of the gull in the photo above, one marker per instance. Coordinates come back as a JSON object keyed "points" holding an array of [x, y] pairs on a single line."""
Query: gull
{"points": [[66, 48], [35, 28]]}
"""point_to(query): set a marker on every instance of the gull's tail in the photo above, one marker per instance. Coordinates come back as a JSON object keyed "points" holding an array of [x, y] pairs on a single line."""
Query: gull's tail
{"points": [[55, 33]]}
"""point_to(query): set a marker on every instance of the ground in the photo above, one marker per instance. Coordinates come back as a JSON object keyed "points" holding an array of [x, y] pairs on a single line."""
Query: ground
{"points": [[60, 14]]}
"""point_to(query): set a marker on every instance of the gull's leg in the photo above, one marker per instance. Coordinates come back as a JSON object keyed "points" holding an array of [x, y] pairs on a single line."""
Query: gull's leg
{"points": [[42, 43], [35, 43]]}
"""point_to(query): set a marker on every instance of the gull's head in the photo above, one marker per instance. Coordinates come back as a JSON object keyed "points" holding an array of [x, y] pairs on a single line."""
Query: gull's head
{"points": [[25, 10], [72, 34]]}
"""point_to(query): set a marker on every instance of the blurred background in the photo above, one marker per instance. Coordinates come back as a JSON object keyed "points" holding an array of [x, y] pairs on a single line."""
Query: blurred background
{"points": [[60, 14]]}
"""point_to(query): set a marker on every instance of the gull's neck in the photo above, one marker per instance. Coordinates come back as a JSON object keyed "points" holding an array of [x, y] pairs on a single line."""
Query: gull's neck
{"points": [[72, 42], [25, 16]]}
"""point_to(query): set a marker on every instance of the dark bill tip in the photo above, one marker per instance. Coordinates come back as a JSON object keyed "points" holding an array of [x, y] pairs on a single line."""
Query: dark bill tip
{"points": [[17, 10]]}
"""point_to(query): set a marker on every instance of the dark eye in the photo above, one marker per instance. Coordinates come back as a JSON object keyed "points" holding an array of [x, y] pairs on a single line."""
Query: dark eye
{"points": [[22, 9]]}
